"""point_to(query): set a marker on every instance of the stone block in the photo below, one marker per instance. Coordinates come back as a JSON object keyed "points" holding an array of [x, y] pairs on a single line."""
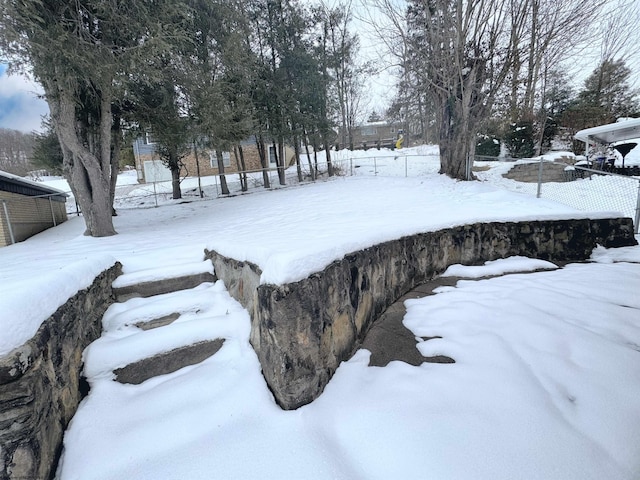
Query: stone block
{"points": [[167, 362], [166, 285]]}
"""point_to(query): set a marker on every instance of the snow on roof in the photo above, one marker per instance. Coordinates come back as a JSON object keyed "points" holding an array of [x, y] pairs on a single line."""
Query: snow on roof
{"points": [[610, 133], [16, 180]]}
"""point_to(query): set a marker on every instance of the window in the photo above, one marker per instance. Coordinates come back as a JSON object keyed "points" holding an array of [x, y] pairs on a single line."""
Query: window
{"points": [[272, 155], [148, 139], [226, 159], [369, 131]]}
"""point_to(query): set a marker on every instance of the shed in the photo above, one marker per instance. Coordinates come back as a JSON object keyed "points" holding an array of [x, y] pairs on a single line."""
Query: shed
{"points": [[28, 208]]}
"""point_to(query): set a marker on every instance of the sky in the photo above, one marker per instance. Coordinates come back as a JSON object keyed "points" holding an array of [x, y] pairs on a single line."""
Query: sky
{"points": [[20, 107], [546, 379]]}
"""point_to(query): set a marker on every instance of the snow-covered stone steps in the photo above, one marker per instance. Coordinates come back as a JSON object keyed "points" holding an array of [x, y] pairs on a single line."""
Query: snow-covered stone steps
{"points": [[150, 336], [160, 280]]}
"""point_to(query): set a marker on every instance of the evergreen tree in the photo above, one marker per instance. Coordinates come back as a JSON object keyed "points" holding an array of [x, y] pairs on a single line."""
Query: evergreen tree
{"points": [[83, 52], [608, 88], [605, 97], [47, 152], [158, 112], [519, 139]]}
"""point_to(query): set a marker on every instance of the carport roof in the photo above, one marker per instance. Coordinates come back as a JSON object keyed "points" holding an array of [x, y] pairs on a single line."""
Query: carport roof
{"points": [[613, 132], [22, 186]]}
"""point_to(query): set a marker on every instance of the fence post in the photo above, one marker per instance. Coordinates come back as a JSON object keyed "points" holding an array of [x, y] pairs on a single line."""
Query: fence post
{"points": [[155, 193], [637, 222], [375, 166], [406, 170], [6, 213], [351, 166], [539, 193], [53, 215]]}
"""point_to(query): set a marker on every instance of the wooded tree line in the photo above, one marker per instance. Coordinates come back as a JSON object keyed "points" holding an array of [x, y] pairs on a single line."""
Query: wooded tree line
{"points": [[16, 150], [474, 71], [197, 73]]}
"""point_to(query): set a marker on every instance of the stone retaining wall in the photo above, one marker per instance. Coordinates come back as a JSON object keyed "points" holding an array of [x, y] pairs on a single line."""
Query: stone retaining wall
{"points": [[528, 172], [303, 330], [39, 383]]}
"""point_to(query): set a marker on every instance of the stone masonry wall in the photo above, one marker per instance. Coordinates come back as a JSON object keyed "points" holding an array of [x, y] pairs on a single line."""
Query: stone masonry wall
{"points": [[528, 172], [303, 330], [39, 383]]}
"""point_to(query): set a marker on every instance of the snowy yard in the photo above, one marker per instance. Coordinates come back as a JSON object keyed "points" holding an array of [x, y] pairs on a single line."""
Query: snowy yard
{"points": [[546, 383]]}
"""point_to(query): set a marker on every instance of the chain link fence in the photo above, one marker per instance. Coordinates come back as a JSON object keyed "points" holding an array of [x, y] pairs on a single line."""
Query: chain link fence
{"points": [[594, 190], [155, 193], [582, 188]]}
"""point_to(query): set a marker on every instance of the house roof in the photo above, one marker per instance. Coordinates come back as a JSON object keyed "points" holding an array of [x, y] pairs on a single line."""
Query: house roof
{"points": [[22, 186], [613, 132]]}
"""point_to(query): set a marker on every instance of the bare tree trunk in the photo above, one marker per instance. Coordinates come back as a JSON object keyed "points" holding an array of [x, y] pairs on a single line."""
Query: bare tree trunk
{"points": [[454, 144], [306, 147], [515, 82], [264, 161], [315, 157], [327, 149], [223, 179], [195, 153], [175, 182], [89, 174], [242, 168], [174, 167], [279, 151], [115, 161], [296, 149]]}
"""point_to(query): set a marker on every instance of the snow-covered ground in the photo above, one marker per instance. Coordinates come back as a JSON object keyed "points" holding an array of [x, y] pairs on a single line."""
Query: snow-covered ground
{"points": [[289, 233], [546, 383]]}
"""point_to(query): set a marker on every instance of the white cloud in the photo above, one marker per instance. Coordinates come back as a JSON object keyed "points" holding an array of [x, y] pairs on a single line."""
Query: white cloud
{"points": [[20, 107]]}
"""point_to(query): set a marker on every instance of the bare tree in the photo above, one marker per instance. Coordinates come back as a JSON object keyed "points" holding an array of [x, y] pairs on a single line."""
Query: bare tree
{"points": [[455, 57], [619, 32], [388, 22], [15, 151], [468, 55], [556, 29], [462, 52], [340, 48]]}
